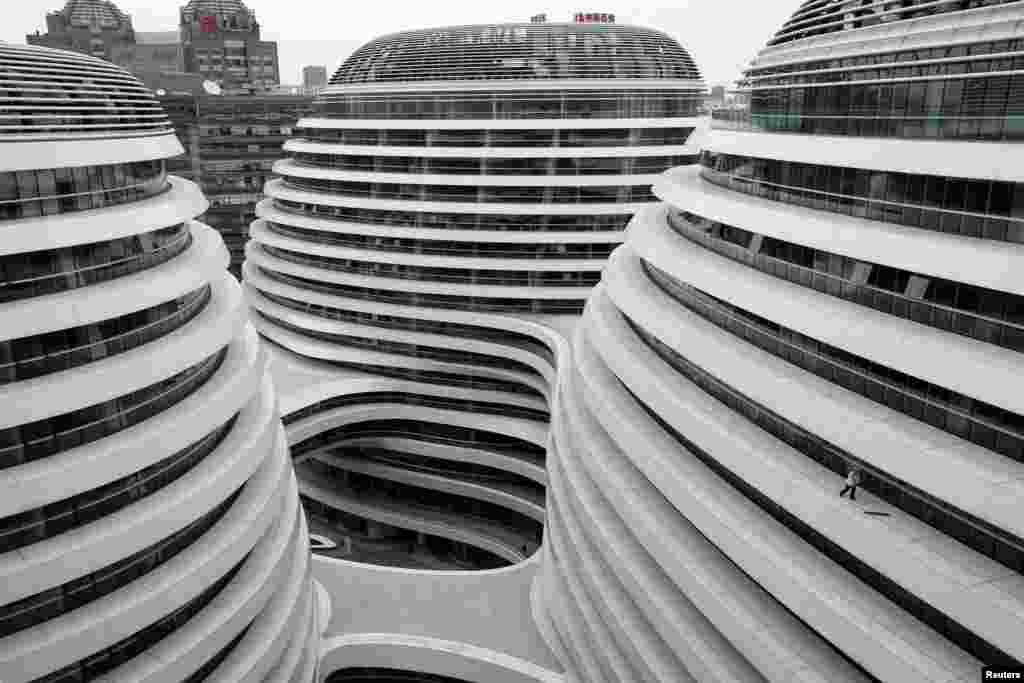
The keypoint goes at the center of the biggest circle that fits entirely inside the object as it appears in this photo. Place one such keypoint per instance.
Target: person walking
(853, 479)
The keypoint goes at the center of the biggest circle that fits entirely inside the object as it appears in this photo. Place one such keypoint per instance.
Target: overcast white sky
(722, 35)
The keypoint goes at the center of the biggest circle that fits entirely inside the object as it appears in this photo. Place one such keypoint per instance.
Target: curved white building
(436, 230)
(150, 527)
(839, 285)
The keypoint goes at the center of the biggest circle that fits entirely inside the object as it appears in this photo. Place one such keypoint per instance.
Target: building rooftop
(518, 52)
(58, 83)
(215, 7)
(816, 17)
(93, 12)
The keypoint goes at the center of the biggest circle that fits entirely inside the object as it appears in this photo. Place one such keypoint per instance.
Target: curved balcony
(414, 349)
(931, 126)
(651, 412)
(435, 328)
(492, 533)
(412, 469)
(42, 273)
(47, 192)
(970, 311)
(76, 594)
(491, 165)
(410, 399)
(564, 277)
(469, 223)
(123, 651)
(619, 137)
(406, 450)
(866, 340)
(36, 525)
(968, 481)
(49, 436)
(985, 209)
(181, 203)
(982, 263)
(474, 451)
(496, 103)
(56, 351)
(540, 251)
(472, 193)
(472, 303)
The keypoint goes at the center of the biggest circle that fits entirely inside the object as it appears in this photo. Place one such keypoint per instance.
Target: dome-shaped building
(837, 289)
(150, 527)
(436, 229)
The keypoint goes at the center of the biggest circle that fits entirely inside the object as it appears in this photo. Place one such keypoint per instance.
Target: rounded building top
(215, 7)
(818, 17)
(58, 94)
(518, 52)
(93, 13)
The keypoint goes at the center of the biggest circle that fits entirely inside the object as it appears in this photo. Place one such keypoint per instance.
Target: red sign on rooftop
(594, 18)
(208, 23)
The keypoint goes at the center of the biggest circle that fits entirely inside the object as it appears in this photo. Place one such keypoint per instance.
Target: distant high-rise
(150, 527)
(221, 40)
(717, 98)
(314, 78)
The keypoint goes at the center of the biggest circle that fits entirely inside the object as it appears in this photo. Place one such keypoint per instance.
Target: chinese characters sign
(594, 18)
(208, 24)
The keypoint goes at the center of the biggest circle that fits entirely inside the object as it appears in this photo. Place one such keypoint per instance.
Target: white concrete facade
(747, 348)
(150, 528)
(438, 284)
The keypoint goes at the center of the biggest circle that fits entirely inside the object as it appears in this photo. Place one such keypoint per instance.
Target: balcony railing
(934, 126)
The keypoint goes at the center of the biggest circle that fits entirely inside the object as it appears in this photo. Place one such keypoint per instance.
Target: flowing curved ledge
(259, 232)
(268, 212)
(526, 354)
(485, 616)
(34, 154)
(287, 167)
(957, 158)
(182, 202)
(276, 189)
(258, 256)
(970, 366)
(302, 381)
(500, 124)
(203, 262)
(434, 656)
(493, 609)
(984, 263)
(299, 144)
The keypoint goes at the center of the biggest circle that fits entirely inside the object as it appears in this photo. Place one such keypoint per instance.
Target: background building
(838, 286)
(221, 40)
(150, 527)
(230, 144)
(157, 53)
(92, 27)
(717, 98)
(314, 78)
(239, 140)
